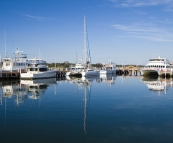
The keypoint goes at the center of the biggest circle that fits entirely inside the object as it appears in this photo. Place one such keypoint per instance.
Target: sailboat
(87, 58)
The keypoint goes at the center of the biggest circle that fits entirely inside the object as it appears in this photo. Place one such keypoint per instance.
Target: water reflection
(85, 84)
(36, 88)
(108, 78)
(24, 89)
(158, 84)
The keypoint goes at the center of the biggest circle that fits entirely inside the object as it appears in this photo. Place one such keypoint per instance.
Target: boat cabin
(35, 62)
(39, 68)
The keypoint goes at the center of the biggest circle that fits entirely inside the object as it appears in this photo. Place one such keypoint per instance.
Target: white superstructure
(19, 63)
(157, 66)
(76, 70)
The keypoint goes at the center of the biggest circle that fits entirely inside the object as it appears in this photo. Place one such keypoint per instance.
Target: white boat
(19, 63)
(40, 71)
(90, 72)
(37, 69)
(76, 70)
(157, 66)
(109, 68)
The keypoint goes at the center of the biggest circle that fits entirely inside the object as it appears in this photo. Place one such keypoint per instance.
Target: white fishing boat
(157, 66)
(76, 70)
(19, 63)
(88, 71)
(109, 68)
(37, 69)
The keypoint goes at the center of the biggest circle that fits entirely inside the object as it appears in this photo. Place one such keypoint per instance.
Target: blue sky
(131, 31)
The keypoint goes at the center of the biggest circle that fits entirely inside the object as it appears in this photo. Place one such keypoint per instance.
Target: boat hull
(90, 73)
(47, 74)
(73, 74)
(107, 71)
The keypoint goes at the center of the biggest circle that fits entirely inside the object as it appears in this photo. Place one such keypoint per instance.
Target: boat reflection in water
(24, 89)
(14, 89)
(108, 78)
(158, 84)
(36, 88)
(85, 84)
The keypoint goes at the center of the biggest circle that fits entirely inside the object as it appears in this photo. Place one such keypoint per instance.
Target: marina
(86, 71)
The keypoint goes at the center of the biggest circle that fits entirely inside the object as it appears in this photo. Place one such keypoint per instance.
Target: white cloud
(146, 31)
(38, 18)
(141, 3)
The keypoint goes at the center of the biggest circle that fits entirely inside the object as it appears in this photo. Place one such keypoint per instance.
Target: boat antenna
(39, 54)
(76, 57)
(5, 43)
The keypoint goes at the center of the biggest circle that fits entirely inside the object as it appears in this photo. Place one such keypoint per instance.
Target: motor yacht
(157, 66)
(37, 69)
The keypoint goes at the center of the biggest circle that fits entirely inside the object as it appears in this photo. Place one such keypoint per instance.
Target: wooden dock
(16, 75)
(9, 75)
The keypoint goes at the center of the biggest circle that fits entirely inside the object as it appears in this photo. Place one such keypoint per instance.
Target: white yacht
(109, 68)
(157, 66)
(37, 69)
(19, 63)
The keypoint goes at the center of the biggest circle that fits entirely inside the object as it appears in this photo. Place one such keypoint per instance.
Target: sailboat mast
(85, 44)
(5, 44)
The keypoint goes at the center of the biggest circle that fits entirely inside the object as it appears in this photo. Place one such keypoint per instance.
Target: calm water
(95, 110)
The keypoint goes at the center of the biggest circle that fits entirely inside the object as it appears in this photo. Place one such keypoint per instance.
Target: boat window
(33, 69)
(33, 87)
(42, 69)
(43, 86)
(156, 59)
(7, 64)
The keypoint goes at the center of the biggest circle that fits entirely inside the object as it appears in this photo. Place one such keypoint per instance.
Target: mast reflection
(85, 84)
